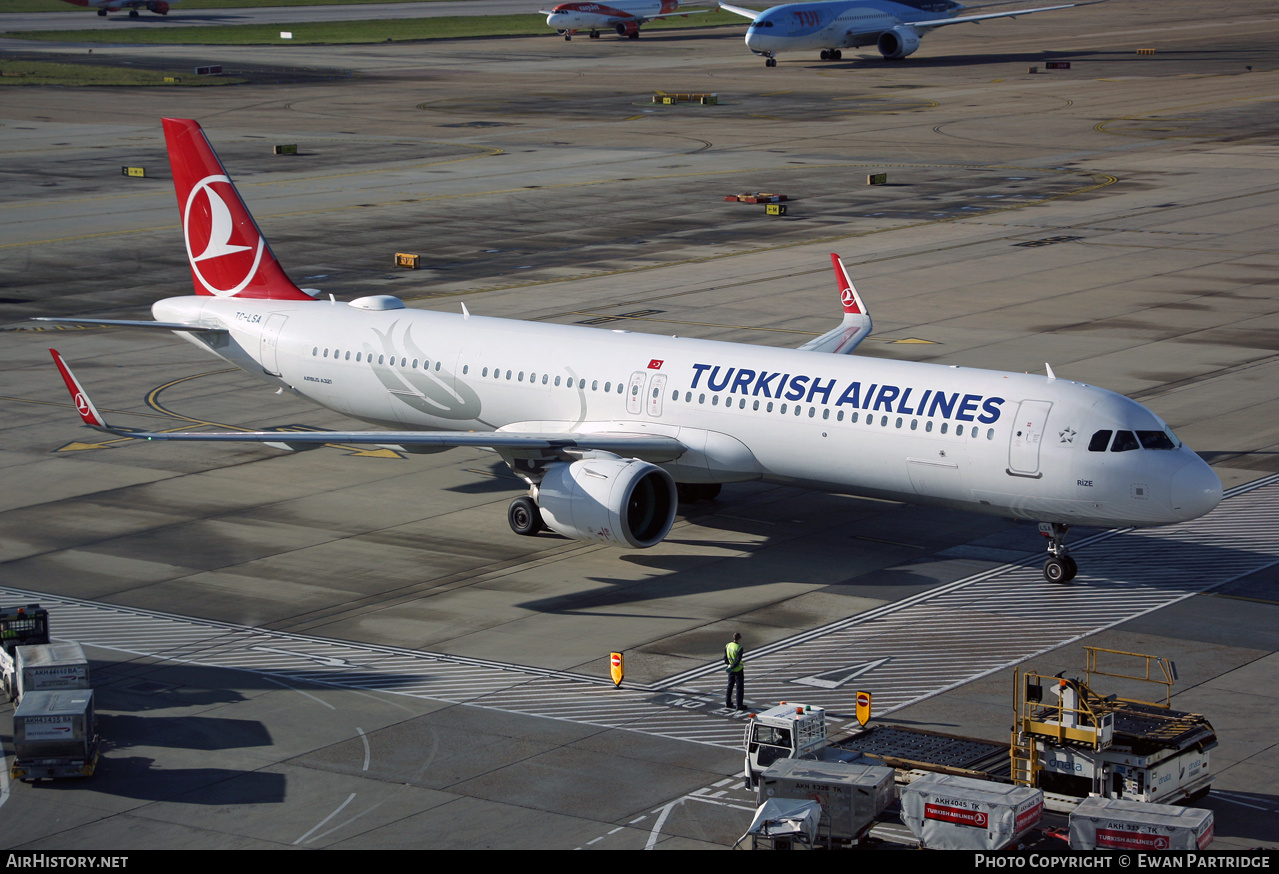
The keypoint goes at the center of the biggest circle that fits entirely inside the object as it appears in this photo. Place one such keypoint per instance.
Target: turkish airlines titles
(873, 398)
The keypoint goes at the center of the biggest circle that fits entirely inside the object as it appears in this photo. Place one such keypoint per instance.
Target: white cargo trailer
(54, 735)
(1119, 824)
(961, 813)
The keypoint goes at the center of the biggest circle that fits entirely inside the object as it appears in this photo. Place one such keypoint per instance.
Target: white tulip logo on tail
(223, 267)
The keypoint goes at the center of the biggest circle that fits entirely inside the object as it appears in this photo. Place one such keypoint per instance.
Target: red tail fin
(228, 255)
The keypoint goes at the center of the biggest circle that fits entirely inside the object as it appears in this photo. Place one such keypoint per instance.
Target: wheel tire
(567, 38)
(825, 55)
(837, 55)
(524, 517)
(1072, 568)
(1056, 571)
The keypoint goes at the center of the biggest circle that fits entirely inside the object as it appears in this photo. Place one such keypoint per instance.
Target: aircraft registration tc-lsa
(611, 429)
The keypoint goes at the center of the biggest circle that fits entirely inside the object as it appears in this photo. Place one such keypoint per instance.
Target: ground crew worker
(736, 674)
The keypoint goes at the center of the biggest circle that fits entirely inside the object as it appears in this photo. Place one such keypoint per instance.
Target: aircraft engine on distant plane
(898, 42)
(628, 28)
(625, 502)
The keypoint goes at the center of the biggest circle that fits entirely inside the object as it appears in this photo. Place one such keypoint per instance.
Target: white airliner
(159, 7)
(624, 16)
(894, 27)
(603, 425)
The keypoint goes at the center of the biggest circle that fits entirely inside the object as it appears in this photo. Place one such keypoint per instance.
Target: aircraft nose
(1196, 490)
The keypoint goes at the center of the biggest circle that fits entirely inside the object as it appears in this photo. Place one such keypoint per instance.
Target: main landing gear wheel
(1060, 570)
(133, 13)
(771, 62)
(568, 37)
(595, 34)
(524, 517)
(1060, 567)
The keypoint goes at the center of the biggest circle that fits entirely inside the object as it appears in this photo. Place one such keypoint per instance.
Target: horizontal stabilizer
(130, 323)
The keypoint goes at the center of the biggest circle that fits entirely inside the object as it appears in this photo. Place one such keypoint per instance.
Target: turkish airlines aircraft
(603, 425)
(159, 7)
(624, 16)
(894, 27)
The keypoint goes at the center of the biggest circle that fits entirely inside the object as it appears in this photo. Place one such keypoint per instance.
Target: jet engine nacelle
(898, 42)
(159, 7)
(627, 28)
(625, 502)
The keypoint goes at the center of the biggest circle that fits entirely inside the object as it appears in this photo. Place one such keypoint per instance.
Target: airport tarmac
(1115, 219)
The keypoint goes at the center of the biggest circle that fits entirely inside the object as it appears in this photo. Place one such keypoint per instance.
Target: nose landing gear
(1060, 567)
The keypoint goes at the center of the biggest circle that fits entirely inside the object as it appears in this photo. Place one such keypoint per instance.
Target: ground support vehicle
(47, 667)
(1118, 824)
(851, 796)
(945, 812)
(1084, 743)
(19, 626)
(1071, 744)
(55, 735)
(788, 731)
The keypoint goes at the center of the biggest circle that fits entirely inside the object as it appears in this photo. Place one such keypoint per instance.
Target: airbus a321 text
(159, 7)
(894, 27)
(611, 429)
(624, 16)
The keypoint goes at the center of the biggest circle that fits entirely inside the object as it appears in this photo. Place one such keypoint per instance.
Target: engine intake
(898, 42)
(625, 502)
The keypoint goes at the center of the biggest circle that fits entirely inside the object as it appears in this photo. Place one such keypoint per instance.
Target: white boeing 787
(610, 428)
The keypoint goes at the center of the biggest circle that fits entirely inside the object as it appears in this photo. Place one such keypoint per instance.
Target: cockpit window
(1155, 440)
(1099, 441)
(1124, 441)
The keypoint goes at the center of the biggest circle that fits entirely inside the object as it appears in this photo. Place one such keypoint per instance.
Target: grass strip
(20, 72)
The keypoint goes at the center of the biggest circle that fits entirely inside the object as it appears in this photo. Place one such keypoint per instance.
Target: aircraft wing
(939, 22)
(676, 14)
(655, 448)
(738, 10)
(129, 323)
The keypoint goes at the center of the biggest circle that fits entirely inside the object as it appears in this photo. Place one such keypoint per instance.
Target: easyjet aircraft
(624, 16)
(159, 7)
(610, 429)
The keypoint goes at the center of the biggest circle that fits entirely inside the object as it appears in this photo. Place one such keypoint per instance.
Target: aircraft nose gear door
(1027, 434)
(271, 342)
